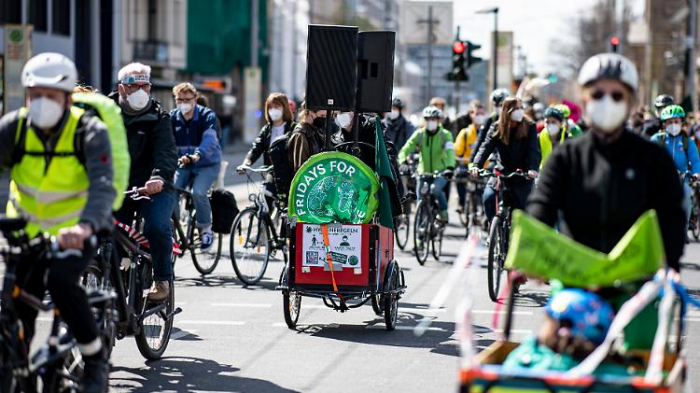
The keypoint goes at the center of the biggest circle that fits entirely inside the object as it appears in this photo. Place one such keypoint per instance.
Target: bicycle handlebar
(262, 169)
(500, 175)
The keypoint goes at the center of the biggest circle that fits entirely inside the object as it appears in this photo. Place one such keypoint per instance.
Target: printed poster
(345, 246)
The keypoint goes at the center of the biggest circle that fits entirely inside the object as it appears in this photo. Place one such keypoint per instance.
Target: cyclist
(569, 125)
(437, 154)
(683, 151)
(308, 137)
(497, 98)
(195, 129)
(556, 133)
(599, 184)
(153, 163)
(466, 139)
(653, 125)
(398, 128)
(441, 104)
(68, 195)
(514, 137)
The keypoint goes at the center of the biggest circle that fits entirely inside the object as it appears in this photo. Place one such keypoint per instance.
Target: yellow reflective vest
(50, 193)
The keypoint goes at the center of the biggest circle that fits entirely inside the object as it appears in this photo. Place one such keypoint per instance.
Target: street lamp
(494, 59)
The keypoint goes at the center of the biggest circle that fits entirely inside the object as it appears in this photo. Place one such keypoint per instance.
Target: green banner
(334, 187)
(540, 251)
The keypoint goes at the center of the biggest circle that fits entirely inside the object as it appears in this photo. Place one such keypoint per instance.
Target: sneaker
(160, 290)
(95, 373)
(207, 241)
(444, 216)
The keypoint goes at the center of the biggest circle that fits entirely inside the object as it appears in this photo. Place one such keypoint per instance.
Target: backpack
(662, 143)
(283, 173)
(110, 114)
(223, 210)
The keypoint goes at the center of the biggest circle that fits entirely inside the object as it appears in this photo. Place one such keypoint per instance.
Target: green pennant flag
(539, 250)
(386, 177)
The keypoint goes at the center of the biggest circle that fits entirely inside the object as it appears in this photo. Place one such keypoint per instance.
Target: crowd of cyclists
(590, 175)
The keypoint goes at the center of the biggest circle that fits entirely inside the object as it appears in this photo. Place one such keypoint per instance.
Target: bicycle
(57, 365)
(254, 236)
(190, 237)
(499, 233)
(428, 231)
(149, 322)
(402, 223)
(473, 216)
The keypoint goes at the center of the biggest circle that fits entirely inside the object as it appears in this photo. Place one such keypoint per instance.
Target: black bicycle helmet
(663, 101)
(498, 96)
(397, 103)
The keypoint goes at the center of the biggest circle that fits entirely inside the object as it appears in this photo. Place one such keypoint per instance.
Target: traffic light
(459, 72)
(471, 59)
(614, 44)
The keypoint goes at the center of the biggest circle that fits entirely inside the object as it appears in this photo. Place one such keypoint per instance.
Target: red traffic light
(615, 40)
(458, 47)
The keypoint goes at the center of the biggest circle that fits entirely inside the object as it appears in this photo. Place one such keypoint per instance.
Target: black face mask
(319, 122)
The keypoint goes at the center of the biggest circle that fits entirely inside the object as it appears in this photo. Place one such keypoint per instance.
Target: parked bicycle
(255, 237)
(57, 365)
(499, 232)
(428, 231)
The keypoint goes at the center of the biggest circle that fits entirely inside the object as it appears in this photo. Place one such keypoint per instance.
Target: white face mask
(517, 115)
(606, 114)
(344, 119)
(479, 119)
(184, 108)
(394, 115)
(553, 129)
(673, 129)
(45, 113)
(431, 125)
(275, 114)
(138, 99)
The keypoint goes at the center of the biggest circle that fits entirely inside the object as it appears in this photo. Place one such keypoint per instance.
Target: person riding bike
(497, 98)
(600, 183)
(555, 132)
(514, 137)
(683, 151)
(153, 163)
(464, 144)
(437, 154)
(308, 137)
(652, 126)
(398, 128)
(62, 190)
(569, 125)
(195, 130)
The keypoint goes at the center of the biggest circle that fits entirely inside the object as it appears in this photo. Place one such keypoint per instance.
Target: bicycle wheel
(436, 240)
(154, 335)
(402, 226)
(93, 280)
(494, 256)
(421, 233)
(695, 219)
(250, 246)
(377, 303)
(391, 301)
(469, 213)
(204, 261)
(292, 307)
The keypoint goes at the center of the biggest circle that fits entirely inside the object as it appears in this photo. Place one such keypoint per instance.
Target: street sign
(17, 53)
(253, 98)
(414, 23)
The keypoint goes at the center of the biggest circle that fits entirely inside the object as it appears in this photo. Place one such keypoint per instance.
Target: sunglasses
(616, 95)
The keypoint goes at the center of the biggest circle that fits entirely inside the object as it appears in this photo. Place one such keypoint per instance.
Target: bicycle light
(251, 197)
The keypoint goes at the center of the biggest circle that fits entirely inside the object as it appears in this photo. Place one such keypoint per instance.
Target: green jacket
(437, 151)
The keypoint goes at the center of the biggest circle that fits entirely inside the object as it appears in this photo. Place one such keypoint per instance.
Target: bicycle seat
(8, 224)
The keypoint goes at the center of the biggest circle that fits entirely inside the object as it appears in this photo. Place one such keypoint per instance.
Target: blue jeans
(437, 189)
(201, 179)
(158, 228)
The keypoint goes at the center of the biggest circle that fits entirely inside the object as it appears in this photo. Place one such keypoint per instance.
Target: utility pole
(495, 49)
(431, 23)
(691, 53)
(254, 27)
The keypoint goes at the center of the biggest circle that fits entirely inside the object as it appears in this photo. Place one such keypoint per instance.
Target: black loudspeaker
(331, 67)
(375, 71)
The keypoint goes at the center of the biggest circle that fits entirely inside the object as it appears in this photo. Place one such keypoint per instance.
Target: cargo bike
(339, 252)
(662, 369)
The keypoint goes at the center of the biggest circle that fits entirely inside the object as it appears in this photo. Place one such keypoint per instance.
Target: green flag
(386, 177)
(539, 250)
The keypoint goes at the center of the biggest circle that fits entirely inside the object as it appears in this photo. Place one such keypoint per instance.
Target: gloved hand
(448, 173)
(404, 169)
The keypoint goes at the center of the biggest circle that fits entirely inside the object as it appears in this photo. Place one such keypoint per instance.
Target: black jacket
(521, 154)
(398, 131)
(151, 144)
(651, 127)
(482, 134)
(261, 144)
(603, 189)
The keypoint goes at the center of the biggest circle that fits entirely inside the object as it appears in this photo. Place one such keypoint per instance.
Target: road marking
(426, 310)
(230, 323)
(243, 305)
(491, 312)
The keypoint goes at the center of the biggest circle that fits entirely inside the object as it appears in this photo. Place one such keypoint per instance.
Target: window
(152, 20)
(61, 17)
(38, 11)
(10, 11)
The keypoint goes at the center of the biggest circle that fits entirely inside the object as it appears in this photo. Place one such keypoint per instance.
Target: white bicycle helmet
(609, 66)
(52, 70)
(432, 112)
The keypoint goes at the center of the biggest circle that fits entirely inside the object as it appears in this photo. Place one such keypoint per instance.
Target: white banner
(345, 246)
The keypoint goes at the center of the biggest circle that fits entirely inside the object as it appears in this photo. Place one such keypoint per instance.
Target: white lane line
(491, 312)
(243, 305)
(425, 310)
(382, 327)
(229, 323)
(181, 334)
